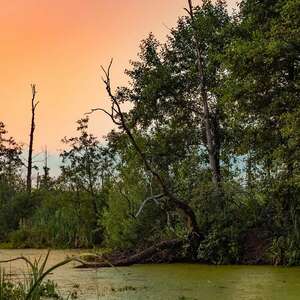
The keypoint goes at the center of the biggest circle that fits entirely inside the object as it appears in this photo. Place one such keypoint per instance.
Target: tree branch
(152, 198)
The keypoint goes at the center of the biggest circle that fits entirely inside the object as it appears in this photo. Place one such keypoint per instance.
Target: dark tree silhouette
(34, 104)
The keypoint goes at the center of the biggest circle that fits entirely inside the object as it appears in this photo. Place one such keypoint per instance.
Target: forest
(204, 157)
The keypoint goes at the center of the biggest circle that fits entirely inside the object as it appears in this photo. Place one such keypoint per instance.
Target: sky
(59, 45)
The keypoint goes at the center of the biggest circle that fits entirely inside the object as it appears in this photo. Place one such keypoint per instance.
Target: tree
(86, 164)
(10, 157)
(261, 102)
(120, 119)
(262, 86)
(34, 104)
(177, 83)
(12, 208)
(45, 181)
(173, 90)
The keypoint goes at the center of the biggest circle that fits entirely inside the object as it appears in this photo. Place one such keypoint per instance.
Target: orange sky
(60, 45)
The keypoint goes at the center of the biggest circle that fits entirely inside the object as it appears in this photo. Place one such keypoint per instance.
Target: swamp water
(175, 282)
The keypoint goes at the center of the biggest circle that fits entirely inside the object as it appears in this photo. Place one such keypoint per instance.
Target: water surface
(174, 282)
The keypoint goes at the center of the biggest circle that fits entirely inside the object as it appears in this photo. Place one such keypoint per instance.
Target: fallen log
(141, 257)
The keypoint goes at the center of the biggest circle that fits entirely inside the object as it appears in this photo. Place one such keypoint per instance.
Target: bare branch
(152, 198)
(190, 9)
(34, 93)
(106, 112)
(36, 104)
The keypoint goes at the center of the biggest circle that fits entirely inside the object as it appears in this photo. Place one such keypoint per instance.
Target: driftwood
(137, 258)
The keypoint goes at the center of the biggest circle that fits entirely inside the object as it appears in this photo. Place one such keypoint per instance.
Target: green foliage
(7, 289)
(221, 245)
(285, 251)
(85, 163)
(10, 157)
(123, 229)
(14, 208)
(61, 221)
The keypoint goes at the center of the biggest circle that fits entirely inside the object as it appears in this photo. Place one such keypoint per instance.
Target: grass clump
(34, 286)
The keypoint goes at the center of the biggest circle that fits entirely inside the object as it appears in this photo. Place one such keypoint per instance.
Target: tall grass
(34, 286)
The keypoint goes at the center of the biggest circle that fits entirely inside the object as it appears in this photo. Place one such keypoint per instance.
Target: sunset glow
(60, 45)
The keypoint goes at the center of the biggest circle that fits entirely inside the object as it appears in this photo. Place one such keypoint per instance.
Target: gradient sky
(60, 45)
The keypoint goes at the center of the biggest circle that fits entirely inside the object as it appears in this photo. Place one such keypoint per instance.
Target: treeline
(208, 153)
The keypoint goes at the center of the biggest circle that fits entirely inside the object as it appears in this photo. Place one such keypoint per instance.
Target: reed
(34, 286)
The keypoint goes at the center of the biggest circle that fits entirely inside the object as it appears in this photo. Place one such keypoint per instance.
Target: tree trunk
(139, 257)
(31, 138)
(211, 131)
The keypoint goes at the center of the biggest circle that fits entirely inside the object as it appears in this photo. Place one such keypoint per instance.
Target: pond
(174, 282)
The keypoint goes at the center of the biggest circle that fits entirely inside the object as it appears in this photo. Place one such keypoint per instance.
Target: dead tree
(172, 200)
(211, 131)
(144, 256)
(34, 104)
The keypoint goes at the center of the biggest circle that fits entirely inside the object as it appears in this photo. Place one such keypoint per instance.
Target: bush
(221, 246)
(123, 230)
(285, 250)
(60, 221)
